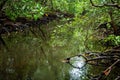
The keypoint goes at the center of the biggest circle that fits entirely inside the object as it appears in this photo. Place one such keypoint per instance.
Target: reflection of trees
(16, 67)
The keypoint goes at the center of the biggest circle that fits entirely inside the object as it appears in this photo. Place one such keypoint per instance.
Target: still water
(31, 57)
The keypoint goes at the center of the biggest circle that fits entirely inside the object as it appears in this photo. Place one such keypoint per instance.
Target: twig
(108, 70)
(117, 78)
(105, 72)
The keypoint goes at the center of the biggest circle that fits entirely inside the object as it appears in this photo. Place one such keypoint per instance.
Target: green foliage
(75, 36)
(34, 9)
(89, 16)
(24, 8)
(112, 40)
(71, 6)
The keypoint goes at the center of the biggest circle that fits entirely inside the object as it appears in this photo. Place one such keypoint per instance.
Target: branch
(95, 5)
(2, 4)
(113, 4)
(106, 72)
(112, 1)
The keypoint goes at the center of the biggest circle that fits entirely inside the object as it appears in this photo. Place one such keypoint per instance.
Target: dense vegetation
(97, 14)
(75, 23)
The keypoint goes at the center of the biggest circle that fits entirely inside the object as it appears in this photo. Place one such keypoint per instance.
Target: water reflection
(77, 73)
(27, 61)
